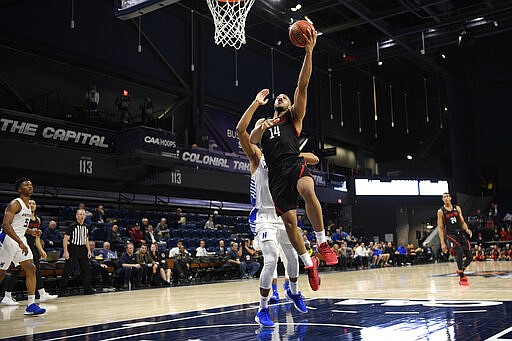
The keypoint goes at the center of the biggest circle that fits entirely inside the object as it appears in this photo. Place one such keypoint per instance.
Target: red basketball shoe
(330, 257)
(314, 279)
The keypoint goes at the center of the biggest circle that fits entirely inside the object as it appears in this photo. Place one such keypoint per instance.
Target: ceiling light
(409, 157)
(443, 56)
(298, 6)
(445, 108)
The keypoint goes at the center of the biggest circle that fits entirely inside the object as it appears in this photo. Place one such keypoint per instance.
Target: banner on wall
(33, 128)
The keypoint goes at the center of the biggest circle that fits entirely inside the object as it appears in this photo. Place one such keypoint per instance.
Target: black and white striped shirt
(77, 234)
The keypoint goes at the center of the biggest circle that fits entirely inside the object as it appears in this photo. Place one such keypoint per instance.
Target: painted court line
(401, 312)
(469, 311)
(345, 311)
(496, 337)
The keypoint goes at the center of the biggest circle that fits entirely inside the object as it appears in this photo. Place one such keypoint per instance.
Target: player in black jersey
(451, 225)
(288, 174)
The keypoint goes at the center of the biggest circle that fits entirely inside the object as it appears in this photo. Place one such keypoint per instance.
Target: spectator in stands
(175, 251)
(182, 265)
(163, 267)
(337, 237)
(123, 105)
(130, 268)
(92, 99)
(99, 215)
(248, 266)
(377, 256)
(137, 236)
(146, 111)
(360, 256)
(428, 253)
(496, 235)
(300, 221)
(343, 260)
(401, 254)
(503, 234)
(179, 218)
(494, 213)
(144, 223)
(480, 220)
(330, 226)
(218, 220)
(479, 254)
(146, 262)
(233, 257)
(106, 252)
(98, 268)
(209, 224)
(221, 251)
(201, 249)
(390, 250)
(150, 235)
(509, 232)
(479, 239)
(115, 239)
(51, 236)
(162, 229)
(494, 252)
(506, 253)
(88, 214)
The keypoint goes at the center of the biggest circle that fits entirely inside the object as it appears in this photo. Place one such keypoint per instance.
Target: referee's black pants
(77, 254)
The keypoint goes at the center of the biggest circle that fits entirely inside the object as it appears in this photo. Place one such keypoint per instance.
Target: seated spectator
(88, 214)
(330, 226)
(51, 236)
(509, 232)
(106, 252)
(494, 253)
(115, 239)
(337, 237)
(479, 239)
(175, 251)
(162, 269)
(248, 267)
(505, 253)
(162, 229)
(377, 255)
(99, 215)
(503, 234)
(132, 271)
(146, 262)
(201, 249)
(300, 221)
(209, 224)
(98, 268)
(428, 253)
(144, 222)
(182, 265)
(137, 236)
(479, 254)
(401, 254)
(390, 250)
(218, 220)
(496, 235)
(221, 251)
(92, 98)
(343, 258)
(360, 256)
(233, 257)
(150, 236)
(179, 218)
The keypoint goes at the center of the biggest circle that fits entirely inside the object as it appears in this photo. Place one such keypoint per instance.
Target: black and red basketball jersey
(451, 220)
(280, 143)
(33, 224)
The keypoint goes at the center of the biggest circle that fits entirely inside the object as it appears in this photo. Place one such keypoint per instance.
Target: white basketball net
(229, 19)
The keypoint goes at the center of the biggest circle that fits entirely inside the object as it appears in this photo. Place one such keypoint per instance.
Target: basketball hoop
(229, 18)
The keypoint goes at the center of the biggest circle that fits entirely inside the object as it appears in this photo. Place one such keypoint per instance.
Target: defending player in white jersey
(13, 244)
(268, 227)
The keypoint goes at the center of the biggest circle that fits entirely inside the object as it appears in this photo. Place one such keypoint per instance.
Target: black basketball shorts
(458, 239)
(282, 182)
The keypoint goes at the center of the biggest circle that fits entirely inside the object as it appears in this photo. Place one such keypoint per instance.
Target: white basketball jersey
(261, 199)
(21, 219)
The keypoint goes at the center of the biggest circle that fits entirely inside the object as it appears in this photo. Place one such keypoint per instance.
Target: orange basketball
(297, 30)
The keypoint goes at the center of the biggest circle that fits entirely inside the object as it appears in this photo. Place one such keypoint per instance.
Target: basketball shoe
(298, 301)
(263, 318)
(314, 279)
(329, 256)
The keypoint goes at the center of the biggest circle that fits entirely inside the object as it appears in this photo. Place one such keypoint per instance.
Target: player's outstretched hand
(470, 233)
(310, 39)
(260, 97)
(269, 123)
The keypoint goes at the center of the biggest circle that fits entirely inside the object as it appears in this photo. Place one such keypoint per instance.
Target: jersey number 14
(274, 131)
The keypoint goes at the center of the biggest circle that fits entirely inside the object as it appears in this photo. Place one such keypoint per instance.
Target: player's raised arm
(13, 208)
(252, 152)
(298, 109)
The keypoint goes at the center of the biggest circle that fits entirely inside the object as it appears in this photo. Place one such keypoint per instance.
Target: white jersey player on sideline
(13, 244)
(268, 227)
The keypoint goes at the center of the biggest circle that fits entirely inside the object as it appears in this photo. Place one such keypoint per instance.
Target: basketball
(297, 30)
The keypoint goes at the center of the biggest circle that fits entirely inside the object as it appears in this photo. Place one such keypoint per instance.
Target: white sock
(294, 287)
(41, 292)
(8, 294)
(263, 302)
(320, 237)
(306, 259)
(31, 299)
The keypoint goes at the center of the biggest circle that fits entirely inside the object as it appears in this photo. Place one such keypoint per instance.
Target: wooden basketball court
(413, 286)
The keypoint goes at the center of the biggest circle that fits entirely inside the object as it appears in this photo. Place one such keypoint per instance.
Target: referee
(76, 250)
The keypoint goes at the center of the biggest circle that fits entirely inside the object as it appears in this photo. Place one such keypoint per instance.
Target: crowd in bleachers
(136, 248)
